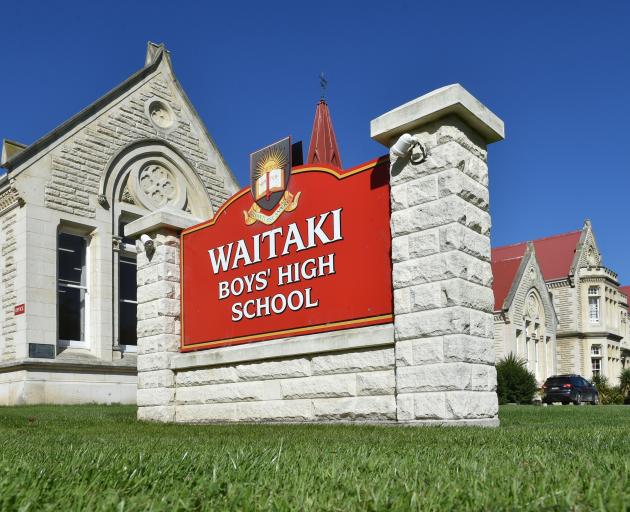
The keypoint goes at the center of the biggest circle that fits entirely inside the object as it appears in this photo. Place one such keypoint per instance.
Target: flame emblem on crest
(270, 171)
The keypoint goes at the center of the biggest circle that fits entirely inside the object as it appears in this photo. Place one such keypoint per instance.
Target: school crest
(270, 172)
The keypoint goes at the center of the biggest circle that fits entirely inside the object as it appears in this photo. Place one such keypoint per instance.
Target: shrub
(615, 396)
(608, 395)
(515, 383)
(601, 382)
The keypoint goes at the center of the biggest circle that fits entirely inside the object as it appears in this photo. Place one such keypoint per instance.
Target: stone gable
(79, 163)
(532, 279)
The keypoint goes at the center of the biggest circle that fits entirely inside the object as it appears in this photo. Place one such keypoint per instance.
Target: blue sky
(557, 73)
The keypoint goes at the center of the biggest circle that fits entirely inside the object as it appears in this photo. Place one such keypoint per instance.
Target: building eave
(507, 302)
(594, 334)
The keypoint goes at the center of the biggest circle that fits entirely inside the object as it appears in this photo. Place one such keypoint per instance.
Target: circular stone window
(156, 186)
(160, 114)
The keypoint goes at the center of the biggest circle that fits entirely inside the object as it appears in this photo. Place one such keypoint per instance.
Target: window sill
(72, 344)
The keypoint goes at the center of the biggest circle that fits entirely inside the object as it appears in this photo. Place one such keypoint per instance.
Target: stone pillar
(158, 280)
(442, 278)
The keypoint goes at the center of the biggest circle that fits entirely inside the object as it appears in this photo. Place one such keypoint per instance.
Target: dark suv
(569, 388)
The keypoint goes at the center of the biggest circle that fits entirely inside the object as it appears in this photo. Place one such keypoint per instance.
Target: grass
(99, 458)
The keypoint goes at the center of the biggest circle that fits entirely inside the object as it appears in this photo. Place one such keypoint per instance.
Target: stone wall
(8, 290)
(503, 342)
(158, 326)
(354, 386)
(569, 355)
(564, 298)
(327, 381)
(442, 278)
(50, 384)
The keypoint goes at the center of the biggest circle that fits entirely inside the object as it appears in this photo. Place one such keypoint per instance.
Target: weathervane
(323, 83)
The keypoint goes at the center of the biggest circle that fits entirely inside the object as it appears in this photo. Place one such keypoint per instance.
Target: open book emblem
(270, 171)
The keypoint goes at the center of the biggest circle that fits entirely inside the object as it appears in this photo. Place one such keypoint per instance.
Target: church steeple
(323, 147)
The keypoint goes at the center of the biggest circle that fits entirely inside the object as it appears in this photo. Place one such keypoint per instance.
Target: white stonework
(340, 376)
(525, 324)
(254, 383)
(584, 342)
(433, 366)
(138, 148)
(581, 324)
(442, 284)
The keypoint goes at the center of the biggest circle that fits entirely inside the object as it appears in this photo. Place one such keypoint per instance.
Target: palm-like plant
(624, 381)
(515, 384)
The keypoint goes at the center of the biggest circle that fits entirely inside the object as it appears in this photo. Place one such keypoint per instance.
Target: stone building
(592, 333)
(524, 317)
(68, 284)
(625, 322)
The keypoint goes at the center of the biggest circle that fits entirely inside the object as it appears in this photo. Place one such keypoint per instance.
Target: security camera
(403, 145)
(404, 148)
(148, 243)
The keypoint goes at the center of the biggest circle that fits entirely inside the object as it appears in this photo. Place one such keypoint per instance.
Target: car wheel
(566, 403)
(595, 399)
(578, 399)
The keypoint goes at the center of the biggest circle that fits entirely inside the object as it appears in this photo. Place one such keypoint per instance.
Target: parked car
(569, 388)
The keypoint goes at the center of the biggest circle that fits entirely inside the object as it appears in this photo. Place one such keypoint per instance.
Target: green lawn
(99, 458)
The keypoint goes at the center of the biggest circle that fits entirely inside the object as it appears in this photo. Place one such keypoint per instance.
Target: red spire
(323, 148)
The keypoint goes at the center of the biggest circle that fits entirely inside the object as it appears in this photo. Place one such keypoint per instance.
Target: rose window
(158, 184)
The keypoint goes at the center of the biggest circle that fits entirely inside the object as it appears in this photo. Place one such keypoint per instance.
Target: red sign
(20, 309)
(319, 261)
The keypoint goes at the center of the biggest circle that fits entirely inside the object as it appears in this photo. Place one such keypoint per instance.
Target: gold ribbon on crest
(288, 203)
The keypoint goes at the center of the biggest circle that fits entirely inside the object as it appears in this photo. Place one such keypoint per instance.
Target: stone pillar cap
(164, 218)
(451, 99)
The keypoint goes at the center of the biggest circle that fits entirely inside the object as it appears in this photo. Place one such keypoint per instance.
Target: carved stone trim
(102, 200)
(532, 307)
(153, 184)
(592, 258)
(161, 115)
(127, 196)
(116, 243)
(9, 199)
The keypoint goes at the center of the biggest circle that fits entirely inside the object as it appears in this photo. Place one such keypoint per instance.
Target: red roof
(554, 254)
(626, 291)
(323, 147)
(503, 273)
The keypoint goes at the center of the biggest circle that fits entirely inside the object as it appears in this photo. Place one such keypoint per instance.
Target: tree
(515, 383)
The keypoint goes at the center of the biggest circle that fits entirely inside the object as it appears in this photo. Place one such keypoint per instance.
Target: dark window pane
(70, 299)
(71, 313)
(71, 258)
(127, 291)
(558, 381)
(128, 286)
(127, 319)
(121, 233)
